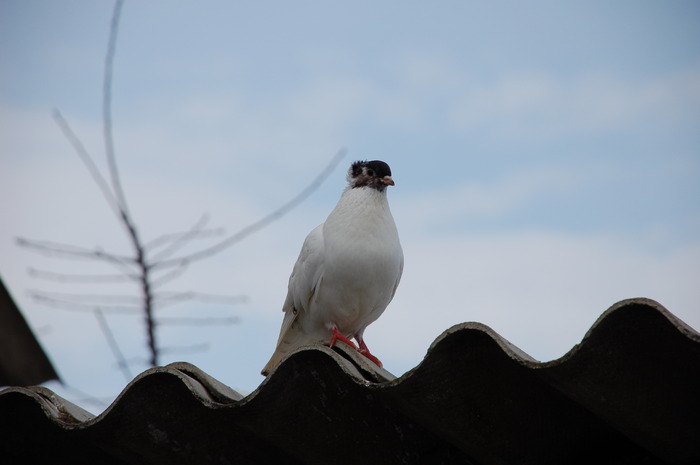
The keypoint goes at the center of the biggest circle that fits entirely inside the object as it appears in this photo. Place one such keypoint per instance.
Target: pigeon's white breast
(362, 262)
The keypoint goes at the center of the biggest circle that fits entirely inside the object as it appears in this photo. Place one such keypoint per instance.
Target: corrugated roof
(628, 393)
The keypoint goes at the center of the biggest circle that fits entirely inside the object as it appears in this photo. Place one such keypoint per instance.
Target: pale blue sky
(546, 155)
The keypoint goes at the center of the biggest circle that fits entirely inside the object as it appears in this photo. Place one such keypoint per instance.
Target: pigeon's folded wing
(305, 277)
(303, 282)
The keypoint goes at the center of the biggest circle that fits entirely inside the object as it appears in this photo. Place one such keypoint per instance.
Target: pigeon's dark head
(375, 174)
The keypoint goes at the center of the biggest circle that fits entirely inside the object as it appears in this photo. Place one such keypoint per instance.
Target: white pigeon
(348, 269)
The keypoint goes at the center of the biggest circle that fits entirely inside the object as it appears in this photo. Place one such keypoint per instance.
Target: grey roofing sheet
(628, 393)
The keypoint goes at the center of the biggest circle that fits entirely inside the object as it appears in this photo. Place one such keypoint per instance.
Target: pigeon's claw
(365, 351)
(337, 336)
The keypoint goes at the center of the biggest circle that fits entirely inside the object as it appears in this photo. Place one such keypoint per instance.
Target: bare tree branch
(88, 298)
(87, 161)
(140, 259)
(178, 241)
(199, 321)
(171, 275)
(84, 307)
(258, 225)
(73, 251)
(107, 108)
(79, 278)
(197, 230)
(178, 297)
(154, 263)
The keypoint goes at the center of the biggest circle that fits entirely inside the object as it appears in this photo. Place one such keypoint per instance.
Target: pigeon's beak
(388, 181)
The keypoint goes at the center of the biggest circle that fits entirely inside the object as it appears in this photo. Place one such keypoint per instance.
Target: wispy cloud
(536, 106)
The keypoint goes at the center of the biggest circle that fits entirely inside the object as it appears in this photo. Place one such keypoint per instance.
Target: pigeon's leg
(365, 351)
(339, 337)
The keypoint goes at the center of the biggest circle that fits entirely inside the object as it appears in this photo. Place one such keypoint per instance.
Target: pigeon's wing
(305, 277)
(307, 273)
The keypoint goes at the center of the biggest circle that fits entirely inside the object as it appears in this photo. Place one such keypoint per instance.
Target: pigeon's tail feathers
(291, 338)
(290, 316)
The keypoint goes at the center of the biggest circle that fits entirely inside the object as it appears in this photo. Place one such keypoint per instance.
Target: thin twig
(79, 278)
(107, 107)
(113, 345)
(73, 251)
(233, 320)
(180, 240)
(124, 264)
(144, 267)
(258, 225)
(169, 276)
(196, 231)
(87, 161)
(177, 297)
(86, 298)
(85, 308)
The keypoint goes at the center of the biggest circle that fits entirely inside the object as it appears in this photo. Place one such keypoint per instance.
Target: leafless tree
(152, 263)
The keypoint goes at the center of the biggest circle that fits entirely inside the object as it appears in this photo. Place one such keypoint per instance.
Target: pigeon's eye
(370, 172)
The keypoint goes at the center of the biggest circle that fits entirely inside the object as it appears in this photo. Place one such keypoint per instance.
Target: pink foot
(365, 351)
(339, 337)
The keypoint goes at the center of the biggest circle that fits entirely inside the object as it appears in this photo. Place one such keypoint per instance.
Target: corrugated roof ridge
(54, 407)
(680, 325)
(206, 389)
(212, 393)
(618, 309)
(209, 391)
